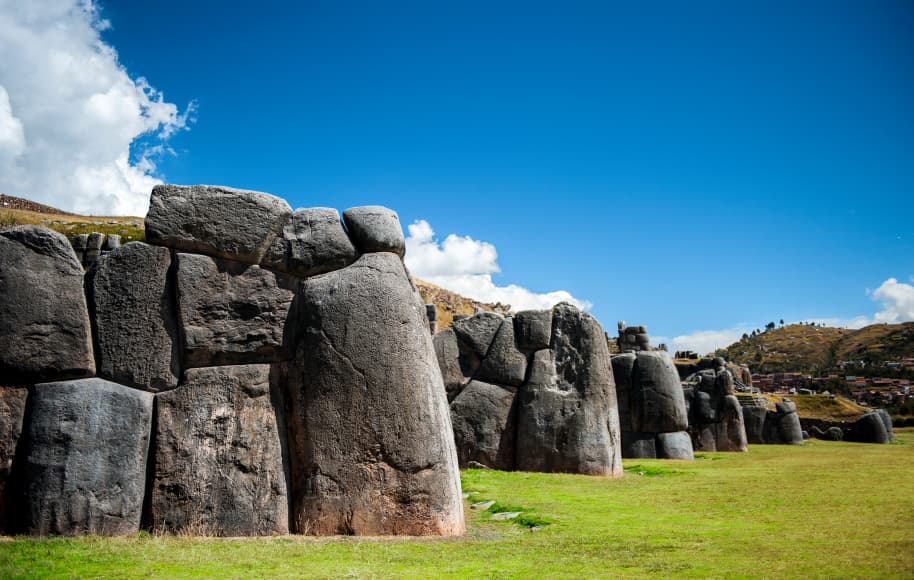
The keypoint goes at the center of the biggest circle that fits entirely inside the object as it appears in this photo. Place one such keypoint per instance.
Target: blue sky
(689, 166)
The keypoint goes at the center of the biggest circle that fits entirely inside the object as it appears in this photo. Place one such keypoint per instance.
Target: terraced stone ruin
(249, 371)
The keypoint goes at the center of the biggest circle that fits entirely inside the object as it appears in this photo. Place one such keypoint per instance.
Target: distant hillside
(450, 303)
(799, 347)
(16, 210)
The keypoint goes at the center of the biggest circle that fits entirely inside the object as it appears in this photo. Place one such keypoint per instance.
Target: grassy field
(823, 510)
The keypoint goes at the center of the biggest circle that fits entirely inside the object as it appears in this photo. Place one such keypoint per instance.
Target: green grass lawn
(822, 510)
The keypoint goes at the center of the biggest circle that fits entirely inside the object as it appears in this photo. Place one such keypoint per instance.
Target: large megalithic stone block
(133, 306)
(677, 445)
(229, 223)
(478, 331)
(218, 454)
(456, 360)
(870, 428)
(484, 418)
(371, 445)
(656, 401)
(533, 329)
(375, 228)
(83, 468)
(12, 412)
(567, 415)
(731, 430)
(623, 373)
(503, 364)
(754, 421)
(45, 333)
(233, 313)
(312, 242)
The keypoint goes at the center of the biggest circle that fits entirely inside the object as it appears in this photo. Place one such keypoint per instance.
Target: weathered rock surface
(484, 421)
(623, 373)
(44, 322)
(457, 362)
(731, 429)
(868, 429)
(503, 364)
(218, 221)
(478, 331)
(676, 445)
(84, 463)
(374, 228)
(312, 242)
(754, 420)
(12, 412)
(639, 445)
(218, 458)
(233, 313)
(370, 434)
(567, 415)
(656, 401)
(533, 329)
(136, 337)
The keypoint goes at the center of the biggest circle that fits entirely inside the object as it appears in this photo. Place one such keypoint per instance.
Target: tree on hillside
(769, 326)
(782, 322)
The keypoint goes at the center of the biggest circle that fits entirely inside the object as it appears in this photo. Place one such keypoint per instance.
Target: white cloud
(465, 266)
(69, 112)
(895, 298)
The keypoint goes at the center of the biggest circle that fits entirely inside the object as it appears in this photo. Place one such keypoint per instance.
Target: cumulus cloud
(465, 266)
(895, 298)
(70, 112)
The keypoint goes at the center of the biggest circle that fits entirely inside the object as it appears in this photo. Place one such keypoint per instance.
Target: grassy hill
(799, 347)
(19, 211)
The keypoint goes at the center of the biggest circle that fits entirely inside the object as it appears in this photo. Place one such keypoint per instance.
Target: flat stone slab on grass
(482, 505)
(504, 516)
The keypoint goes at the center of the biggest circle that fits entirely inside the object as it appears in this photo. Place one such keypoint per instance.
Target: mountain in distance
(810, 348)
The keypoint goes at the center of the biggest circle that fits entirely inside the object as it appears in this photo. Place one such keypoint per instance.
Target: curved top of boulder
(375, 228)
(219, 221)
(478, 331)
(45, 242)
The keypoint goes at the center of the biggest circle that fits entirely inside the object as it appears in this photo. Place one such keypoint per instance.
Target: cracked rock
(371, 445)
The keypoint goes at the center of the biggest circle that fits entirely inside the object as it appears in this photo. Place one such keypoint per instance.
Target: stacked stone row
(652, 408)
(780, 426)
(89, 247)
(715, 414)
(633, 338)
(249, 371)
(532, 392)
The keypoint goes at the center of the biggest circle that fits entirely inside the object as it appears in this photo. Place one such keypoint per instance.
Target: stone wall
(532, 392)
(652, 408)
(249, 371)
(716, 421)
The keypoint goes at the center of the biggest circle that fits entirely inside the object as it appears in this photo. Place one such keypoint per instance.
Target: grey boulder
(868, 429)
(533, 329)
(656, 400)
(677, 445)
(374, 228)
(312, 242)
(135, 332)
(478, 331)
(731, 430)
(44, 322)
(483, 416)
(218, 221)
(503, 364)
(457, 362)
(233, 313)
(567, 415)
(639, 445)
(371, 444)
(218, 458)
(623, 373)
(84, 461)
(12, 412)
(754, 421)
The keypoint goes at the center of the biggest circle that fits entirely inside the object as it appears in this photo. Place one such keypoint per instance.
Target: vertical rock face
(478, 331)
(218, 459)
(375, 228)
(457, 362)
(232, 313)
(533, 329)
(44, 322)
(504, 364)
(677, 445)
(657, 403)
(754, 420)
(370, 434)
(567, 414)
(217, 221)
(84, 467)
(716, 420)
(135, 331)
(312, 242)
(484, 425)
(12, 412)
